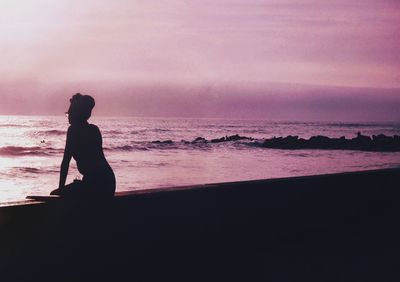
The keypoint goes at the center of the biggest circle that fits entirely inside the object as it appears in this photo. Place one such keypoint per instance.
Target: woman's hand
(57, 191)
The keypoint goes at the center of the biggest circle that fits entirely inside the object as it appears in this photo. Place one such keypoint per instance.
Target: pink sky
(50, 49)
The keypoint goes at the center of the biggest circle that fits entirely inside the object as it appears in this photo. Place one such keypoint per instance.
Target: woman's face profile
(72, 114)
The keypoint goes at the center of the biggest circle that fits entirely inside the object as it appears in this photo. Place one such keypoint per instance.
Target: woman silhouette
(84, 144)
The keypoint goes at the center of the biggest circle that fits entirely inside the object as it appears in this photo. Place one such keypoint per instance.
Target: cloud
(51, 46)
(201, 40)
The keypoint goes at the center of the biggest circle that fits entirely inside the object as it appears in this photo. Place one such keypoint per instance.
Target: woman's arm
(64, 170)
(66, 160)
(64, 165)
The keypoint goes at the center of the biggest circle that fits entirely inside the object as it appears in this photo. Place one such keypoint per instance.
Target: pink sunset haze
(138, 55)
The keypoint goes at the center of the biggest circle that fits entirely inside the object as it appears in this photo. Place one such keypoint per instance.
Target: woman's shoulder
(93, 126)
(94, 129)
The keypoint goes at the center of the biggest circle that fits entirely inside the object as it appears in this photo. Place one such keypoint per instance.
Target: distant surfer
(84, 144)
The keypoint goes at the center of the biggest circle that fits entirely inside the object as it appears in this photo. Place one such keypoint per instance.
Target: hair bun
(87, 101)
(83, 101)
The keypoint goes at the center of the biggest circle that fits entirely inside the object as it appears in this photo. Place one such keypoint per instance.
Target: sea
(154, 153)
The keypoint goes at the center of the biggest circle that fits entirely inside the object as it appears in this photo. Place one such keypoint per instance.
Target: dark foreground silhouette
(341, 227)
(84, 144)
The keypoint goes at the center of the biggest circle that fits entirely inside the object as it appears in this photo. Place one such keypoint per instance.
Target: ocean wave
(127, 148)
(359, 125)
(53, 132)
(30, 170)
(198, 143)
(149, 130)
(50, 132)
(16, 151)
(113, 132)
(160, 130)
(13, 125)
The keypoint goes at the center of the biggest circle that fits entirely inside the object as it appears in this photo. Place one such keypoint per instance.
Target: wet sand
(339, 227)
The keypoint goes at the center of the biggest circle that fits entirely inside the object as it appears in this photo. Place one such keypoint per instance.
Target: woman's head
(80, 109)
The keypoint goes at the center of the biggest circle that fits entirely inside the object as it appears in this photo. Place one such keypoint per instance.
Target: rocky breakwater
(378, 143)
(235, 137)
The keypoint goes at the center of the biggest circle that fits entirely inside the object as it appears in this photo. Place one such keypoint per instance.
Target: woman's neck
(80, 123)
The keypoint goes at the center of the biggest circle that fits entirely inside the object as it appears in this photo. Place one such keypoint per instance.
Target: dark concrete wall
(321, 228)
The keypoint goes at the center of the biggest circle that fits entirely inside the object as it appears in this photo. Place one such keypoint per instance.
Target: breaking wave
(54, 132)
(198, 143)
(18, 151)
(13, 125)
(127, 148)
(113, 132)
(31, 170)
